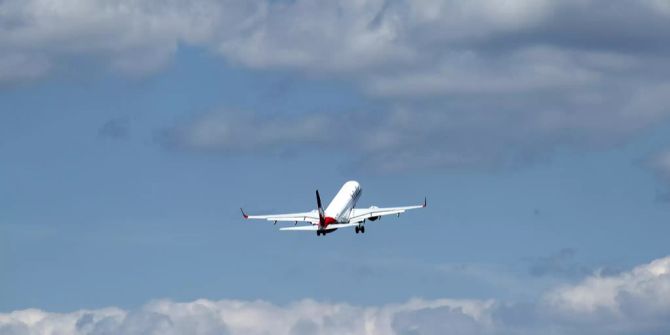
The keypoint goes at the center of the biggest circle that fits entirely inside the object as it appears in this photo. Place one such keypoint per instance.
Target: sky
(131, 132)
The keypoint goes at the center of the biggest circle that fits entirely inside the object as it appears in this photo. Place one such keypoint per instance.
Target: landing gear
(360, 229)
(318, 233)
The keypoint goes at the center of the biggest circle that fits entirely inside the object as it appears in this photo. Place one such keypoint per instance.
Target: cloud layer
(461, 132)
(462, 84)
(632, 302)
(394, 47)
(459, 83)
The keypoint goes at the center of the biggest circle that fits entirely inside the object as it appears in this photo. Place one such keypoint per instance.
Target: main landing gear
(360, 229)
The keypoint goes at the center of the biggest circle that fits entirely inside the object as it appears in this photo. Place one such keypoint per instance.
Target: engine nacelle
(373, 218)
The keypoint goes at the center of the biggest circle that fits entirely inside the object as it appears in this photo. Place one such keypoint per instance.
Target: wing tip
(425, 202)
(244, 215)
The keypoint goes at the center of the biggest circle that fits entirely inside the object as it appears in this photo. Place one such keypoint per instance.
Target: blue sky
(540, 139)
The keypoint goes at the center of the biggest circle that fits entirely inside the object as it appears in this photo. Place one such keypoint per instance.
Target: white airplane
(340, 213)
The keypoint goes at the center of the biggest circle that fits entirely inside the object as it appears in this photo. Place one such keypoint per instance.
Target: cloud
(231, 131)
(400, 48)
(632, 302)
(475, 83)
(18, 67)
(227, 317)
(483, 133)
(134, 37)
(460, 84)
(382, 43)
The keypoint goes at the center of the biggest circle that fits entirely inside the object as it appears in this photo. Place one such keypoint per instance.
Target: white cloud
(230, 317)
(649, 283)
(637, 301)
(633, 302)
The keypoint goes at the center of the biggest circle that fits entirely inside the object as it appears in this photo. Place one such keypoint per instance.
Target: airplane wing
(312, 217)
(360, 214)
(316, 227)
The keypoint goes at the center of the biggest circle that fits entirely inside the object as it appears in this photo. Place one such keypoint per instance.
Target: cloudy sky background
(132, 131)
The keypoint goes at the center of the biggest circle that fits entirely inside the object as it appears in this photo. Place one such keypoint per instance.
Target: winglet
(244, 215)
(425, 202)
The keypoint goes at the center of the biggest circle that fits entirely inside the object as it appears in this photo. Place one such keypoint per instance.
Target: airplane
(340, 213)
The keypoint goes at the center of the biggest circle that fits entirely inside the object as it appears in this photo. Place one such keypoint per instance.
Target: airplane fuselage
(339, 209)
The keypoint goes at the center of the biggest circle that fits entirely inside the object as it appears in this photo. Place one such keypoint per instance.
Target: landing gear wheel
(362, 229)
(357, 228)
(318, 233)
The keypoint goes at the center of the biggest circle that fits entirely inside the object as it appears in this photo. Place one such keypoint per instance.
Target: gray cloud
(463, 84)
(632, 302)
(133, 37)
(19, 67)
(459, 83)
(368, 40)
(461, 132)
(409, 48)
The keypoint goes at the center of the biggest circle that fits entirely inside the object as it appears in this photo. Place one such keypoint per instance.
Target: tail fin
(322, 216)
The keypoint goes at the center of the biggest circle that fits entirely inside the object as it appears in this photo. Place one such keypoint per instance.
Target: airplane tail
(322, 216)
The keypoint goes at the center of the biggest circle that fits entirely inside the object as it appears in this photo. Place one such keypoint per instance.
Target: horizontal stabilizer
(316, 227)
(302, 228)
